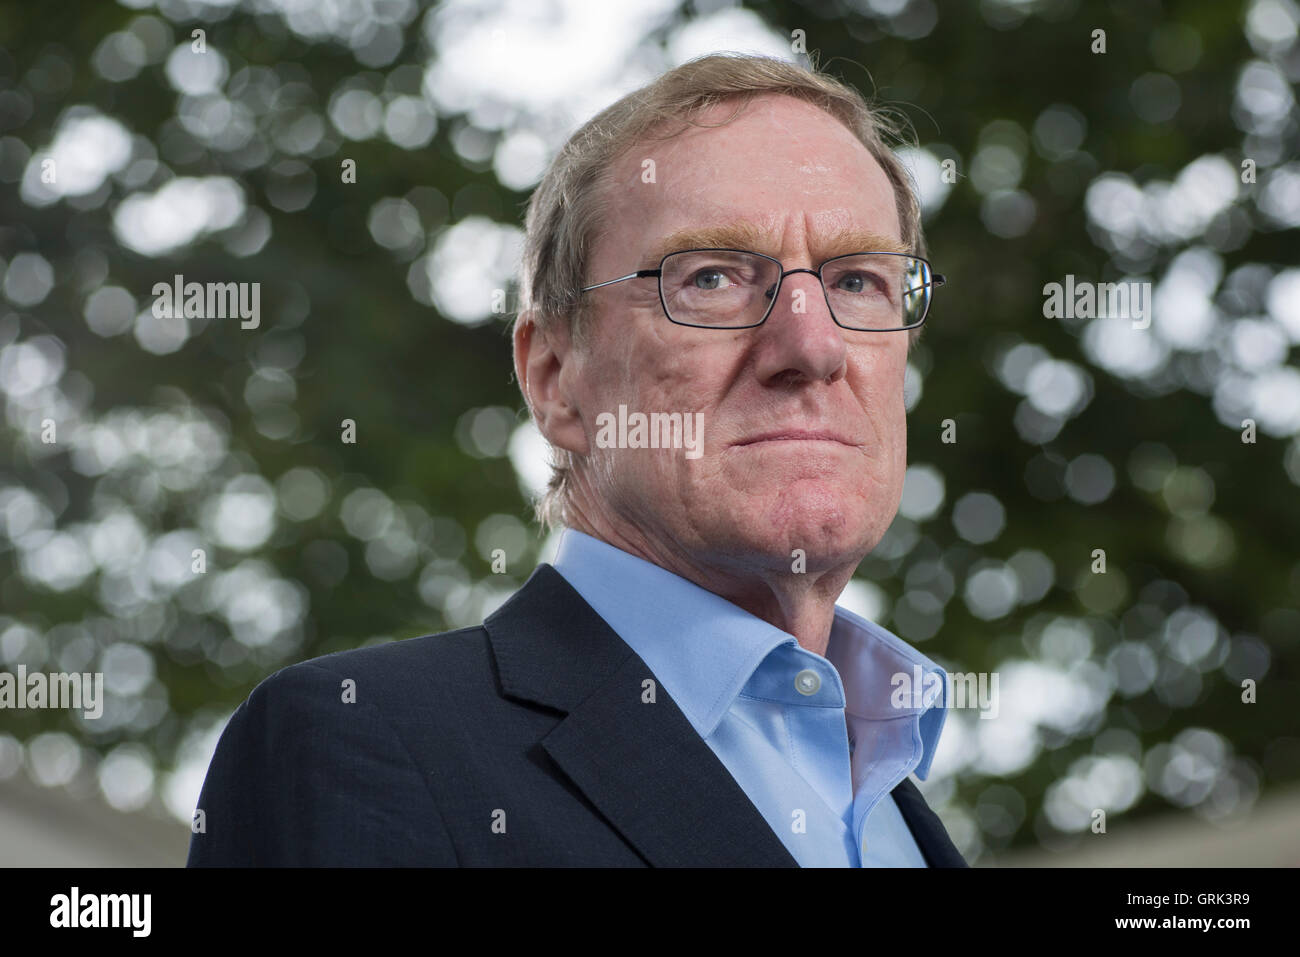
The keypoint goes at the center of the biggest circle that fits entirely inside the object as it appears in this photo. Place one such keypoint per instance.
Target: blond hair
(567, 210)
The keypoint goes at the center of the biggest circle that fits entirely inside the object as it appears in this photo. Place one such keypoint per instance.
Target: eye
(858, 282)
(710, 279)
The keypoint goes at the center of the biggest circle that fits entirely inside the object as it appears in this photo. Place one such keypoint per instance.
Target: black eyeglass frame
(936, 280)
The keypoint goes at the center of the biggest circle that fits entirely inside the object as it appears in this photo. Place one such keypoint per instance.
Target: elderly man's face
(806, 190)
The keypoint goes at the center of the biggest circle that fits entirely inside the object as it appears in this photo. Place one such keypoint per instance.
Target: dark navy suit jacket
(520, 742)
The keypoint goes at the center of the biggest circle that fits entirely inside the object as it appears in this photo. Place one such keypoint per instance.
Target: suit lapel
(936, 847)
(642, 765)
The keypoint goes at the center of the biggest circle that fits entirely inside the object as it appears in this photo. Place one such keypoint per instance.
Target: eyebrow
(743, 234)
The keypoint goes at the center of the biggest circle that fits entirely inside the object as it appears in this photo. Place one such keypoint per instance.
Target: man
(733, 246)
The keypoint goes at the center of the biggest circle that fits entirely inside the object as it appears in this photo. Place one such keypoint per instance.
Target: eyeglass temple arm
(936, 280)
(639, 274)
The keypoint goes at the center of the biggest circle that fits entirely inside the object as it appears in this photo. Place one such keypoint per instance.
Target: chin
(825, 524)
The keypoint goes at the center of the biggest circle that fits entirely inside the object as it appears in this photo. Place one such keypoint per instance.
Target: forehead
(781, 172)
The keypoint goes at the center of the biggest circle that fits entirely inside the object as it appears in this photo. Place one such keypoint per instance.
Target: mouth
(796, 435)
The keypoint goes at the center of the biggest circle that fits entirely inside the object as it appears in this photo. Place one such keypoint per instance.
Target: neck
(801, 604)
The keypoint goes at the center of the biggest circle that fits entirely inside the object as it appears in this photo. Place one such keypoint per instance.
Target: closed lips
(797, 436)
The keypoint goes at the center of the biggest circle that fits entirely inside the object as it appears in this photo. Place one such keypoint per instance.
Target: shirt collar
(880, 671)
(704, 649)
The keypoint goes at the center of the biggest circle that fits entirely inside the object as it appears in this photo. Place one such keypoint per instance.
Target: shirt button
(806, 682)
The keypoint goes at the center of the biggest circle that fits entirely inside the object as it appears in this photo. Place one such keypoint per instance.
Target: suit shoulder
(443, 649)
(458, 656)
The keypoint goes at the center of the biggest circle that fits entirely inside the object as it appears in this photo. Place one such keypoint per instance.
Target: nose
(800, 340)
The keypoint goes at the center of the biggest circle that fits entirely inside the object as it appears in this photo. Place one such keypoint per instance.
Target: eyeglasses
(736, 289)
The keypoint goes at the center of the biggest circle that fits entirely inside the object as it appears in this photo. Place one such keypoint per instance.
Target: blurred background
(180, 509)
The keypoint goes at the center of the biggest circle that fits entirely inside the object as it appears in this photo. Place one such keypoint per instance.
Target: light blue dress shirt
(815, 742)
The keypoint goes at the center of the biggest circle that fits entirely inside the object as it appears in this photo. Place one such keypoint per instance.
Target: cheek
(880, 386)
(657, 370)
(648, 373)
(897, 425)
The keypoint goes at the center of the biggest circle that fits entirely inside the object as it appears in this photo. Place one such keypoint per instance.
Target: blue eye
(712, 279)
(858, 282)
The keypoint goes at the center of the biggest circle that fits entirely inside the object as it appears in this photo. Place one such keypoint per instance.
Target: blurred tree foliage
(1120, 690)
